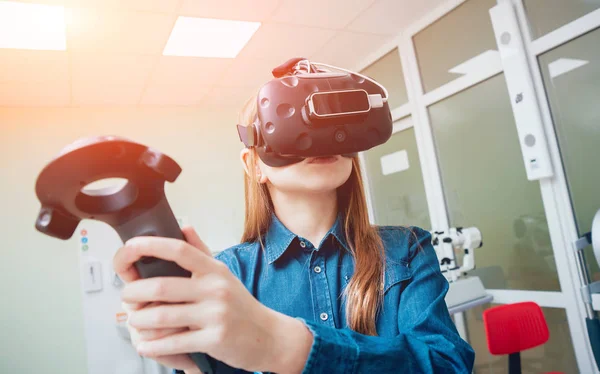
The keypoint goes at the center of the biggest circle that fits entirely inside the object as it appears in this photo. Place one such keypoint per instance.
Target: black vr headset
(308, 110)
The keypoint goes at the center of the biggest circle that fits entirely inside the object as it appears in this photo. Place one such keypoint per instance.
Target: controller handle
(140, 208)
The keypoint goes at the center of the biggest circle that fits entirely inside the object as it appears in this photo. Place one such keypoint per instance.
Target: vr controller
(310, 110)
(140, 208)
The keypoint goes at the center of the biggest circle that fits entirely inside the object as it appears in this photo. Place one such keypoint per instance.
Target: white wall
(41, 322)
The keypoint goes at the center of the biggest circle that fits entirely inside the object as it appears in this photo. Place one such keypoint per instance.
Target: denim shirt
(304, 281)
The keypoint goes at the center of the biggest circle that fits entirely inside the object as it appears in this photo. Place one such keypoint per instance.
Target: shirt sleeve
(428, 341)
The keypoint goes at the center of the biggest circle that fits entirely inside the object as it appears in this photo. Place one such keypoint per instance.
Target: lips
(322, 160)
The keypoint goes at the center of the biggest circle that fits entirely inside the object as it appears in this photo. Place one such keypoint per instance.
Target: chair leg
(514, 363)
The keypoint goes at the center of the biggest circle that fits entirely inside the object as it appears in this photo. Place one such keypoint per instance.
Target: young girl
(313, 288)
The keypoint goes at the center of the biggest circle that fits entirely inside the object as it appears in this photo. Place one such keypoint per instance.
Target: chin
(324, 179)
(305, 177)
(319, 188)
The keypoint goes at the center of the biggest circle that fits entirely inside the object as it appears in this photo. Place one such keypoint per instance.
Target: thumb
(192, 238)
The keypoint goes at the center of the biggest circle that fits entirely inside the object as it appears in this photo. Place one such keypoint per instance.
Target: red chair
(513, 328)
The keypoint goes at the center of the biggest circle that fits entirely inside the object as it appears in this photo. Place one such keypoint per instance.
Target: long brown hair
(364, 293)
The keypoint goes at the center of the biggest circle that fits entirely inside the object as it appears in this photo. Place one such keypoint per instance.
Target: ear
(261, 175)
(245, 159)
(246, 163)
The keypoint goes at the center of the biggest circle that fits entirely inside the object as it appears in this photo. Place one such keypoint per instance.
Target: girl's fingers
(131, 306)
(174, 289)
(170, 316)
(160, 289)
(204, 340)
(178, 251)
(153, 334)
(192, 237)
(128, 273)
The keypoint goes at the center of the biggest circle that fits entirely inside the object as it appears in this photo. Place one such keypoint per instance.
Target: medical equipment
(446, 243)
(589, 288)
(139, 208)
(310, 110)
(463, 292)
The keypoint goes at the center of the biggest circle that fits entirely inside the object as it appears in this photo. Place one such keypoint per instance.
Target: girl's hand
(180, 361)
(217, 313)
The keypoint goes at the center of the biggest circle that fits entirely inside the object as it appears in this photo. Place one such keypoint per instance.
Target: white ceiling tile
(100, 80)
(189, 70)
(277, 43)
(165, 6)
(387, 17)
(179, 94)
(106, 94)
(332, 14)
(347, 49)
(33, 66)
(120, 31)
(251, 73)
(228, 97)
(35, 94)
(111, 69)
(256, 10)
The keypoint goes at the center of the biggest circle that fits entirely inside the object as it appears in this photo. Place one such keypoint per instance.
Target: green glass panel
(486, 186)
(463, 35)
(388, 71)
(398, 196)
(545, 16)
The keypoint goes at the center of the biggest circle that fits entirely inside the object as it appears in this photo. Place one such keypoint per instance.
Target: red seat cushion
(515, 327)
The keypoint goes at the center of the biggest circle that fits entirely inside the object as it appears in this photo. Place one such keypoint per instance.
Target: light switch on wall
(92, 276)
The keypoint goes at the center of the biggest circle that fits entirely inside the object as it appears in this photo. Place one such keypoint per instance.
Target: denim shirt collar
(279, 237)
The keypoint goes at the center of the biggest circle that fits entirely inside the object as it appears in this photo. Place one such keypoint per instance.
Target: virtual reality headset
(315, 110)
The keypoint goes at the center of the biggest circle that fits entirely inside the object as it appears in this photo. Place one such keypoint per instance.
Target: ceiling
(114, 50)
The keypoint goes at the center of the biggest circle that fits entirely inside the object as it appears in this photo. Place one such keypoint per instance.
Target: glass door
(456, 158)
(465, 104)
(571, 76)
(466, 114)
(562, 40)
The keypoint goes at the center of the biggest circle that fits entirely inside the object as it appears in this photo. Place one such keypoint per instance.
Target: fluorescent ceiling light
(202, 37)
(32, 26)
(486, 61)
(564, 65)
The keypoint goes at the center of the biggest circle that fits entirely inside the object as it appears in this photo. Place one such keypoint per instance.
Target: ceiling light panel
(205, 37)
(32, 26)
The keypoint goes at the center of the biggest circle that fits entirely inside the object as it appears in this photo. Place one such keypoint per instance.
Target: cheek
(344, 169)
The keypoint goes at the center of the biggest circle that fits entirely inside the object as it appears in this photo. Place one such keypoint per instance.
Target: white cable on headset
(360, 75)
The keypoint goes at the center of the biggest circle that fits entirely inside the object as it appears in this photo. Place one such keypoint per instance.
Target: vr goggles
(308, 110)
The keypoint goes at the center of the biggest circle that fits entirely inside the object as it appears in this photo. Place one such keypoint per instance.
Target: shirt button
(303, 244)
(324, 316)
(317, 269)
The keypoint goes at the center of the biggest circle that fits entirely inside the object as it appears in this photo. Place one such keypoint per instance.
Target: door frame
(554, 191)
